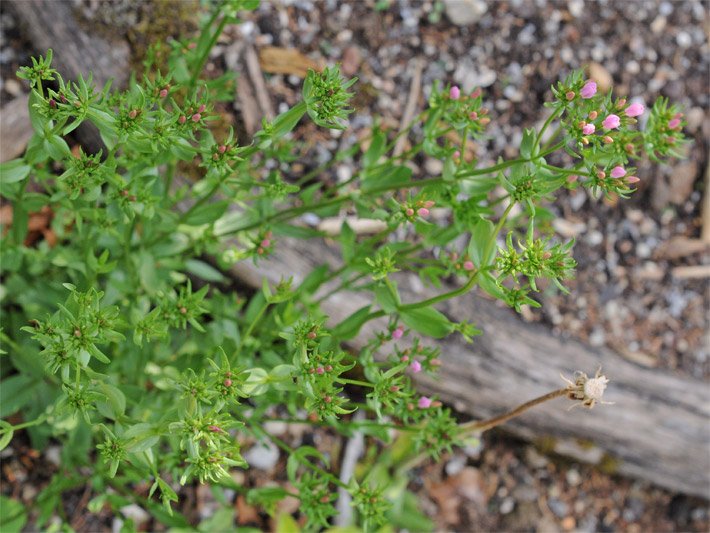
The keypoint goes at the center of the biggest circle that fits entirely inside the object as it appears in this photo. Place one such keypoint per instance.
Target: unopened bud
(585, 141)
(327, 399)
(484, 121)
(182, 119)
(607, 139)
(570, 95)
(196, 117)
(266, 243)
(423, 212)
(201, 109)
(227, 382)
(320, 370)
(621, 103)
(593, 115)
(183, 310)
(311, 335)
(163, 93)
(133, 113)
(222, 148)
(409, 212)
(601, 174)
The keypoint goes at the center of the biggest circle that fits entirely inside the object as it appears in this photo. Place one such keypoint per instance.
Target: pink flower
(674, 123)
(423, 212)
(397, 333)
(320, 370)
(588, 129)
(633, 179)
(611, 122)
(416, 366)
(468, 265)
(634, 110)
(572, 178)
(454, 92)
(589, 89)
(457, 154)
(424, 402)
(618, 172)
(196, 117)
(163, 93)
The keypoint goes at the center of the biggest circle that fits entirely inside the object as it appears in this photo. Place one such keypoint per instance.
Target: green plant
(124, 336)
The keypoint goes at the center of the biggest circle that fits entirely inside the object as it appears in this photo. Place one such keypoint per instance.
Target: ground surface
(630, 293)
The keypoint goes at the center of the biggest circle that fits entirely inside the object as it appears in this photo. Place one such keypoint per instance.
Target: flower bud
(607, 139)
(404, 358)
(593, 115)
(468, 266)
(589, 89)
(320, 370)
(133, 113)
(634, 110)
(416, 366)
(423, 212)
(484, 121)
(182, 119)
(222, 148)
(409, 212)
(163, 93)
(473, 115)
(196, 117)
(476, 93)
(618, 172)
(611, 122)
(632, 179)
(621, 103)
(570, 95)
(454, 92)
(398, 333)
(183, 310)
(673, 123)
(265, 243)
(429, 204)
(424, 403)
(227, 382)
(588, 129)
(601, 174)
(572, 178)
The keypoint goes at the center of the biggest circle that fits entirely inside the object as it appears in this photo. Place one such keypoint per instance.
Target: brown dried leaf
(277, 60)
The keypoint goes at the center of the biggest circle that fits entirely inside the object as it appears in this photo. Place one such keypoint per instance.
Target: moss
(609, 464)
(142, 24)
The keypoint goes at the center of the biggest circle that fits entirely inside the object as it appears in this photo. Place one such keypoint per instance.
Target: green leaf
(427, 321)
(206, 214)
(350, 327)
(347, 242)
(7, 434)
(481, 235)
(375, 150)
(386, 177)
(14, 171)
(13, 515)
(528, 146)
(16, 392)
(386, 299)
(203, 270)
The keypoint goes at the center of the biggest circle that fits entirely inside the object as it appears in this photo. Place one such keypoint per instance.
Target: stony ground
(642, 285)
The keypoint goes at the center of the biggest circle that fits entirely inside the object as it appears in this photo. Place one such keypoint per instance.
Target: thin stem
(549, 120)
(484, 425)
(203, 59)
(355, 382)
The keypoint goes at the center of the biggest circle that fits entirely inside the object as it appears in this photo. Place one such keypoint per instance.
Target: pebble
(573, 477)
(684, 39)
(558, 507)
(465, 12)
(455, 465)
(507, 505)
(263, 455)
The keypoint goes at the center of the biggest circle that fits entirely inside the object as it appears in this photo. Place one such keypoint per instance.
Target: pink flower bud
(404, 358)
(221, 149)
(473, 115)
(133, 113)
(632, 179)
(429, 204)
(320, 370)
(572, 178)
(328, 368)
(588, 129)
(570, 95)
(673, 123)
(227, 382)
(468, 265)
(424, 402)
(454, 92)
(196, 117)
(215, 429)
(634, 110)
(265, 243)
(589, 89)
(611, 122)
(593, 115)
(192, 46)
(201, 108)
(457, 154)
(476, 93)
(416, 366)
(163, 93)
(409, 212)
(182, 119)
(618, 172)
(397, 333)
(423, 212)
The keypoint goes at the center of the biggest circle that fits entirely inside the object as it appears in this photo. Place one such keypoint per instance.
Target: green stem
(549, 120)
(252, 325)
(355, 382)
(203, 59)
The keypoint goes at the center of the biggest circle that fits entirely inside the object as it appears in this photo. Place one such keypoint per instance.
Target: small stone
(263, 455)
(684, 39)
(507, 505)
(455, 465)
(576, 8)
(658, 24)
(135, 513)
(465, 12)
(573, 477)
(13, 87)
(558, 507)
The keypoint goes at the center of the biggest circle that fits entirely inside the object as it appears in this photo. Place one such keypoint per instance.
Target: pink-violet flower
(416, 366)
(424, 402)
(611, 122)
(633, 179)
(589, 89)
(634, 110)
(588, 129)
(398, 332)
(674, 123)
(618, 172)
(454, 92)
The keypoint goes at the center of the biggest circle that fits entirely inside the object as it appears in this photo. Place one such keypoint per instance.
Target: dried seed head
(587, 390)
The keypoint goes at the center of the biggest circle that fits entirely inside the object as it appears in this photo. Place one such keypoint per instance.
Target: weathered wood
(52, 24)
(15, 128)
(659, 428)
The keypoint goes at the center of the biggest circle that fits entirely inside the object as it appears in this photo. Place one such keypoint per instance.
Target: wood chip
(15, 128)
(276, 60)
(601, 75)
(691, 272)
(681, 246)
